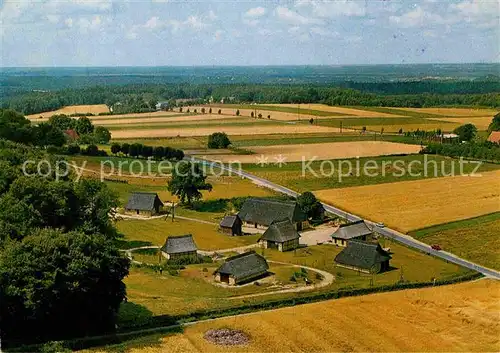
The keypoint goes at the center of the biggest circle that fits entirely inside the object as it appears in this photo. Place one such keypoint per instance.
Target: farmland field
(475, 239)
(322, 151)
(465, 112)
(413, 205)
(461, 317)
(343, 111)
(230, 130)
(73, 109)
(347, 173)
(481, 122)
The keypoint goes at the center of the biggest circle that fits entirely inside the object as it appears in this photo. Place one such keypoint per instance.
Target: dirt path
(139, 218)
(328, 279)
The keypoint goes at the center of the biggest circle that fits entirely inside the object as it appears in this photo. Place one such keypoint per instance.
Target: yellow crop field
(455, 318)
(274, 115)
(454, 111)
(320, 151)
(230, 130)
(428, 125)
(178, 120)
(481, 122)
(72, 109)
(340, 110)
(417, 204)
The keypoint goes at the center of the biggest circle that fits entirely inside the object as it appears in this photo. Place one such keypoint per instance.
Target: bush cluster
(140, 150)
(484, 151)
(218, 140)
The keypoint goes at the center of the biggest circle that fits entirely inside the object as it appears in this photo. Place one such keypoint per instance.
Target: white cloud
(89, 24)
(256, 12)
(294, 18)
(68, 22)
(153, 23)
(334, 8)
(251, 22)
(417, 17)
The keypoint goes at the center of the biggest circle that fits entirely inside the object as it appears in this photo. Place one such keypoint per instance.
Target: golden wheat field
(428, 125)
(274, 115)
(177, 120)
(355, 113)
(410, 205)
(481, 122)
(72, 109)
(321, 151)
(456, 318)
(454, 111)
(230, 130)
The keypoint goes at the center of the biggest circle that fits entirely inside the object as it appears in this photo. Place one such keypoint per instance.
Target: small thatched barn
(364, 257)
(182, 246)
(280, 235)
(231, 225)
(242, 268)
(352, 231)
(260, 213)
(144, 203)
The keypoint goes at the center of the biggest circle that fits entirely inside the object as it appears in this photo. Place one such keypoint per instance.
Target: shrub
(219, 112)
(218, 140)
(115, 148)
(73, 149)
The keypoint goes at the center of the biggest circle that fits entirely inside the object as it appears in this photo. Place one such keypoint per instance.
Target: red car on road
(436, 247)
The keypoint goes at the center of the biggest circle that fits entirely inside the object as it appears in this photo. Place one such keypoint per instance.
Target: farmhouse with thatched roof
(144, 203)
(231, 225)
(351, 231)
(260, 213)
(242, 268)
(182, 246)
(364, 257)
(280, 235)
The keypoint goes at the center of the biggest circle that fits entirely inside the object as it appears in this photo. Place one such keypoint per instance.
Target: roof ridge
(352, 223)
(273, 201)
(250, 252)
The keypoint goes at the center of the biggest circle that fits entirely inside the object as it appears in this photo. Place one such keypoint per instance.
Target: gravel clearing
(227, 337)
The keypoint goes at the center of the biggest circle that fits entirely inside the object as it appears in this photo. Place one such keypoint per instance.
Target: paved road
(387, 232)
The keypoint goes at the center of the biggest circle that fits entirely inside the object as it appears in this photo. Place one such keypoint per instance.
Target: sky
(224, 32)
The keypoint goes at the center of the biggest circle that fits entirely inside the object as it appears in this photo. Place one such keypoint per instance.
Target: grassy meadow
(476, 239)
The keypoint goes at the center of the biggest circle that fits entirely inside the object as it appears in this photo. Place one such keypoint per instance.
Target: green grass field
(291, 175)
(476, 239)
(156, 294)
(156, 231)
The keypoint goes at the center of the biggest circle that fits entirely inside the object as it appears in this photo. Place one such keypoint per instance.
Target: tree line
(488, 151)
(139, 150)
(15, 127)
(139, 98)
(61, 274)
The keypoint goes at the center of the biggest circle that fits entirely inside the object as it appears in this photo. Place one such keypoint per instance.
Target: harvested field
(321, 151)
(454, 111)
(282, 116)
(417, 204)
(230, 130)
(428, 125)
(72, 109)
(481, 122)
(341, 110)
(178, 120)
(462, 318)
